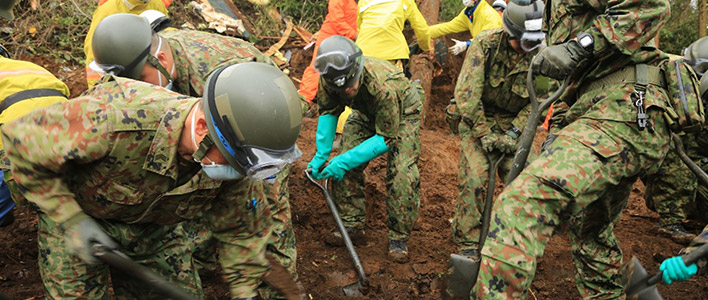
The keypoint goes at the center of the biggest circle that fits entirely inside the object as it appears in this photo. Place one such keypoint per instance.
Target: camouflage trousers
(402, 177)
(586, 174)
(674, 191)
(166, 250)
(472, 182)
(281, 245)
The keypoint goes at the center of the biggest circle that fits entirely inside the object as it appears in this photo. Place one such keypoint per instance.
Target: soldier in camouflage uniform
(121, 166)
(588, 170)
(191, 56)
(674, 192)
(493, 102)
(385, 118)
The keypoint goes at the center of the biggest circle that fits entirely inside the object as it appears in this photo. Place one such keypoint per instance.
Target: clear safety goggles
(531, 40)
(259, 163)
(700, 66)
(117, 69)
(338, 60)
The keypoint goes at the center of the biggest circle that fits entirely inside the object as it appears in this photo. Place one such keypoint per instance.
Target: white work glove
(459, 47)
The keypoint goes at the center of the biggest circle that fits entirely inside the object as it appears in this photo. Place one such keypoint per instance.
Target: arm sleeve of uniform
(326, 104)
(419, 25)
(458, 24)
(699, 241)
(42, 145)
(626, 25)
(338, 12)
(522, 117)
(239, 222)
(468, 90)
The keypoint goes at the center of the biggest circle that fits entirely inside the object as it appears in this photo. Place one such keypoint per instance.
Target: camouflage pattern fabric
(699, 241)
(164, 249)
(491, 102)
(122, 136)
(389, 105)
(600, 151)
(196, 55)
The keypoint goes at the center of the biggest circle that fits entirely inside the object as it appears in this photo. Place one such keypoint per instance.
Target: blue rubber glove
(364, 152)
(326, 130)
(675, 270)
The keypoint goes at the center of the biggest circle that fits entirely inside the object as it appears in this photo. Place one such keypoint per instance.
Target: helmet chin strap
(152, 59)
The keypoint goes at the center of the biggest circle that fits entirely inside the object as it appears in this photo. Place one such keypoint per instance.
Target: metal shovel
(640, 286)
(122, 262)
(462, 270)
(353, 289)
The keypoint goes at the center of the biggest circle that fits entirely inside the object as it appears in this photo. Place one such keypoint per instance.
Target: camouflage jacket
(112, 154)
(197, 54)
(381, 98)
(699, 241)
(497, 95)
(622, 31)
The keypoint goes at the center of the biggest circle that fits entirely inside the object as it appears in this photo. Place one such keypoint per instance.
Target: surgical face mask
(213, 170)
(469, 3)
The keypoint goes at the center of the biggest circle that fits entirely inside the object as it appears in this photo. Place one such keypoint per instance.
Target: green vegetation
(681, 29)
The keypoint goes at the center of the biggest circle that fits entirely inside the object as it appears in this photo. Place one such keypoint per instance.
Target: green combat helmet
(253, 115)
(524, 23)
(6, 9)
(339, 61)
(121, 44)
(696, 55)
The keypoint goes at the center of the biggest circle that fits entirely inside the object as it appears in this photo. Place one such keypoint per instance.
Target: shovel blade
(635, 280)
(353, 290)
(461, 275)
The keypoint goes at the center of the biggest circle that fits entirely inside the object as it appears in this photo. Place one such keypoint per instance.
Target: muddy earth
(324, 270)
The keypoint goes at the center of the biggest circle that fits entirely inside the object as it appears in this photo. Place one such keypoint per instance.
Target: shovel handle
(338, 220)
(678, 147)
(120, 261)
(529, 132)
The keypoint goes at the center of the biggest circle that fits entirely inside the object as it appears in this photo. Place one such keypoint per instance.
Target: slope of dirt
(324, 270)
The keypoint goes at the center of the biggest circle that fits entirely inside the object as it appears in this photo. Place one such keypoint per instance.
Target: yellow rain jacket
(380, 26)
(484, 17)
(18, 76)
(106, 9)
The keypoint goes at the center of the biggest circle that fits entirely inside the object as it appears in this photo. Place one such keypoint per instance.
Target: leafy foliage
(681, 29)
(449, 9)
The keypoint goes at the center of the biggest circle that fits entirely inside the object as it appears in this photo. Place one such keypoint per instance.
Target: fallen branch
(282, 41)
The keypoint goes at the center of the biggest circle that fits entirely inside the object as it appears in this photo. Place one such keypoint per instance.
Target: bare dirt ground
(324, 270)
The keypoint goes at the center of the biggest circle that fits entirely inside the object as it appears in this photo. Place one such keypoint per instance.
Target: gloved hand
(326, 127)
(549, 140)
(488, 142)
(81, 232)
(364, 152)
(507, 142)
(452, 116)
(558, 61)
(459, 47)
(675, 270)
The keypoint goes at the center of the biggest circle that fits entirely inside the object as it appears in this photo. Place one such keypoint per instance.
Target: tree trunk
(421, 66)
(701, 18)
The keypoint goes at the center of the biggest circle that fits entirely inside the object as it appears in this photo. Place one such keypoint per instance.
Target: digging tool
(353, 289)
(640, 286)
(678, 147)
(463, 271)
(524, 147)
(122, 262)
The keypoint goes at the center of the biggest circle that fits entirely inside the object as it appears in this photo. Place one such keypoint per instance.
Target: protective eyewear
(531, 40)
(338, 60)
(699, 66)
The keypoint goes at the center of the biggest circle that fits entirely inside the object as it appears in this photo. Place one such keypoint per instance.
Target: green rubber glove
(489, 142)
(675, 270)
(558, 61)
(364, 152)
(81, 232)
(507, 142)
(326, 130)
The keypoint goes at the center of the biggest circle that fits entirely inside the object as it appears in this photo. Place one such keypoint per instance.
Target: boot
(334, 238)
(398, 251)
(677, 233)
